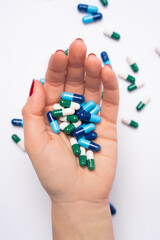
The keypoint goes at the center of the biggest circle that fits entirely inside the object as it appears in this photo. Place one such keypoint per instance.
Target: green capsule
(66, 52)
(140, 106)
(69, 104)
(75, 147)
(135, 85)
(132, 87)
(104, 2)
(57, 113)
(71, 127)
(143, 103)
(126, 76)
(63, 112)
(115, 36)
(133, 124)
(90, 160)
(70, 118)
(130, 79)
(82, 157)
(15, 138)
(134, 67)
(129, 122)
(132, 63)
(19, 142)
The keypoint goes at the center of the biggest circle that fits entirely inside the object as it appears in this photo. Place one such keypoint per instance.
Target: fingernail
(79, 39)
(91, 54)
(109, 65)
(32, 88)
(60, 50)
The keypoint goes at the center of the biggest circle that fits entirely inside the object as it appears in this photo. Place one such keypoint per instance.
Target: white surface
(30, 31)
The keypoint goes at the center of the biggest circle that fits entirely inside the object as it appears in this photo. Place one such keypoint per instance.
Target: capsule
(82, 157)
(86, 107)
(70, 118)
(53, 122)
(57, 106)
(63, 125)
(89, 117)
(126, 77)
(129, 122)
(87, 8)
(63, 112)
(81, 131)
(132, 63)
(135, 85)
(95, 110)
(75, 146)
(112, 209)
(72, 97)
(69, 104)
(91, 136)
(104, 2)
(105, 59)
(66, 52)
(19, 142)
(17, 122)
(42, 80)
(143, 103)
(89, 145)
(92, 18)
(111, 34)
(72, 126)
(90, 160)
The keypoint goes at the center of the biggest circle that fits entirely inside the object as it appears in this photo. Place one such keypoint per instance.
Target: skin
(79, 197)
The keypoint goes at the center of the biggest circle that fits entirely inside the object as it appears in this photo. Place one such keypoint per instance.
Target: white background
(29, 32)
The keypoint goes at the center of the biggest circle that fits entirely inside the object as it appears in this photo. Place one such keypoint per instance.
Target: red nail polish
(79, 39)
(32, 88)
(91, 54)
(59, 50)
(108, 65)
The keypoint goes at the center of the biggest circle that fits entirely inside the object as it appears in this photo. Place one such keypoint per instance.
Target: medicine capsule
(135, 85)
(132, 63)
(42, 80)
(75, 146)
(91, 136)
(143, 103)
(57, 106)
(72, 97)
(92, 18)
(126, 77)
(105, 59)
(82, 157)
(104, 2)
(87, 8)
(17, 122)
(63, 125)
(53, 122)
(69, 104)
(95, 110)
(86, 107)
(112, 208)
(83, 130)
(70, 118)
(129, 122)
(72, 126)
(90, 160)
(89, 145)
(66, 52)
(89, 117)
(111, 34)
(63, 112)
(18, 141)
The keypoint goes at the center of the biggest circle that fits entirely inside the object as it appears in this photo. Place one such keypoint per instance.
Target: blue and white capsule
(73, 97)
(81, 131)
(92, 18)
(89, 117)
(17, 122)
(86, 107)
(53, 122)
(91, 136)
(105, 59)
(42, 80)
(87, 8)
(95, 110)
(89, 145)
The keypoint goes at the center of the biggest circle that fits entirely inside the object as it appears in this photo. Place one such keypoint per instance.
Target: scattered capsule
(17, 122)
(82, 157)
(91, 136)
(70, 118)
(89, 145)
(18, 141)
(63, 125)
(57, 106)
(135, 85)
(89, 117)
(129, 122)
(63, 112)
(75, 146)
(72, 97)
(53, 122)
(69, 104)
(112, 208)
(143, 103)
(92, 18)
(90, 160)
(72, 126)
(66, 52)
(86, 107)
(126, 77)
(95, 110)
(83, 130)
(87, 8)
(105, 59)
(42, 80)
(104, 2)
(111, 34)
(132, 63)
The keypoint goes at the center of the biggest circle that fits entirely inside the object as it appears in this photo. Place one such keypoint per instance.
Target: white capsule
(90, 155)
(83, 151)
(107, 32)
(57, 106)
(122, 75)
(21, 145)
(63, 125)
(73, 141)
(75, 105)
(126, 120)
(146, 99)
(68, 111)
(130, 59)
(157, 49)
(139, 84)
(77, 124)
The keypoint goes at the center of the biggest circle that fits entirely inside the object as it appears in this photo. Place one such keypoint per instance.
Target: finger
(93, 86)
(75, 71)
(55, 77)
(109, 109)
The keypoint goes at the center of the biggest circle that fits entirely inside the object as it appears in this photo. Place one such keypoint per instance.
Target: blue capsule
(112, 208)
(87, 8)
(105, 59)
(92, 17)
(72, 97)
(91, 136)
(83, 130)
(86, 107)
(42, 80)
(17, 122)
(53, 122)
(95, 110)
(82, 104)
(89, 117)
(89, 145)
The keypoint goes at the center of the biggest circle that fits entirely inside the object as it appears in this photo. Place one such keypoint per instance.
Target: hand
(51, 154)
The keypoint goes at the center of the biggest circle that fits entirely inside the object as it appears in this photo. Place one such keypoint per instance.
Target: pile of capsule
(77, 120)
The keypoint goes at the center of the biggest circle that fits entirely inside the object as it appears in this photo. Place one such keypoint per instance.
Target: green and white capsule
(70, 118)
(69, 104)
(72, 126)
(104, 2)
(129, 122)
(63, 112)
(64, 125)
(132, 63)
(135, 85)
(143, 103)
(82, 157)
(66, 52)
(19, 142)
(75, 146)
(111, 34)
(57, 106)
(157, 49)
(126, 77)
(90, 160)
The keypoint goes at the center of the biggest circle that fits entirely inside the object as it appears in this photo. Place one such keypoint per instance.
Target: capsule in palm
(63, 125)
(143, 103)
(70, 118)
(89, 117)
(95, 110)
(90, 160)
(129, 122)
(135, 85)
(42, 80)
(63, 112)
(75, 146)
(72, 97)
(91, 136)
(53, 122)
(126, 77)
(69, 104)
(57, 106)
(72, 126)
(86, 107)
(17, 122)
(81, 131)
(104, 2)
(132, 63)
(18, 141)
(105, 58)
(111, 34)
(89, 145)
(82, 157)
(87, 8)
(92, 18)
